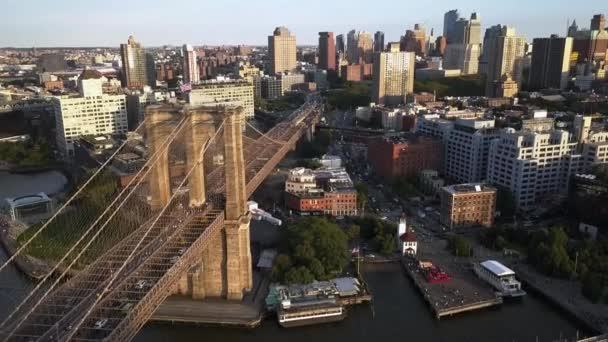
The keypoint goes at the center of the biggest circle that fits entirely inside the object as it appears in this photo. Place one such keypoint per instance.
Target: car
(371, 256)
(174, 260)
(141, 284)
(181, 251)
(101, 323)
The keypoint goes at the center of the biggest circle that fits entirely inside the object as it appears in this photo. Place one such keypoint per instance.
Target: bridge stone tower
(225, 267)
(160, 121)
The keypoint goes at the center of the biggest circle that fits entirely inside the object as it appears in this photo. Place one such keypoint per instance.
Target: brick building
(468, 205)
(357, 72)
(404, 156)
(320, 192)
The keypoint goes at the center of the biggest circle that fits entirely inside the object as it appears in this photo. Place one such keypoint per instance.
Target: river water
(399, 314)
(15, 185)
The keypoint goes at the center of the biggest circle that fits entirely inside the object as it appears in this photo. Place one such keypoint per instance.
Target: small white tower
(406, 239)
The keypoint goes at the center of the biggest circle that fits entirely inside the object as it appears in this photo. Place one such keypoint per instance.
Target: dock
(463, 293)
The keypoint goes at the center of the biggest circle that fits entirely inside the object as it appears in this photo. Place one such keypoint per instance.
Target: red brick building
(404, 156)
(357, 72)
(53, 85)
(320, 202)
(327, 51)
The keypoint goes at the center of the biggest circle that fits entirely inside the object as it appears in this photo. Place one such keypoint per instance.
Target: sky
(47, 23)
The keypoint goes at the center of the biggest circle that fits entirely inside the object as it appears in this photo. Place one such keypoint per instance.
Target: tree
(362, 194)
(353, 231)
(318, 249)
(459, 246)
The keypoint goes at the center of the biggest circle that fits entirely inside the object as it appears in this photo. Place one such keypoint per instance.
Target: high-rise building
(459, 32)
(151, 70)
(550, 62)
(360, 47)
(474, 30)
(190, 66)
(404, 156)
(598, 23)
(464, 57)
(393, 76)
(91, 112)
(534, 166)
(505, 58)
(327, 51)
(440, 45)
(340, 44)
(51, 62)
(414, 40)
(224, 91)
(379, 41)
(490, 34)
(572, 29)
(467, 147)
(282, 51)
(449, 19)
(134, 64)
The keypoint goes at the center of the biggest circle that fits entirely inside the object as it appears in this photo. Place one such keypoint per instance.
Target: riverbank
(33, 268)
(567, 296)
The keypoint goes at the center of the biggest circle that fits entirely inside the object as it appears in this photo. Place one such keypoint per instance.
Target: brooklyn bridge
(182, 221)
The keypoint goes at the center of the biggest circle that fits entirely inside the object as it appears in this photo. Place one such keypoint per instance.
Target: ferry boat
(500, 277)
(308, 315)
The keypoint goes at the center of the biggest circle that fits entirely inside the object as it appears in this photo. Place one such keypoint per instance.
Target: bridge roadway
(168, 251)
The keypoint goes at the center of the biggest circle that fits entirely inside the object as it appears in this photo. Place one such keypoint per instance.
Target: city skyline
(155, 25)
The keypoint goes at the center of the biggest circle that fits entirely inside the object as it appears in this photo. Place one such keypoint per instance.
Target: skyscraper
(459, 32)
(151, 70)
(505, 59)
(379, 41)
(449, 19)
(340, 44)
(327, 51)
(393, 76)
(474, 30)
(190, 67)
(414, 40)
(365, 45)
(598, 22)
(282, 51)
(134, 66)
(351, 47)
(572, 29)
(550, 62)
(490, 35)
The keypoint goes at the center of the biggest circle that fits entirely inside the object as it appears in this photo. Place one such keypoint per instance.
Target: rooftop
(469, 188)
(497, 268)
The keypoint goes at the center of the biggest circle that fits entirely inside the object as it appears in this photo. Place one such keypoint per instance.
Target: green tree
(353, 231)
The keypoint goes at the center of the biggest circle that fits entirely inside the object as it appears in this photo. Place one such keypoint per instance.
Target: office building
(222, 91)
(506, 87)
(360, 47)
(467, 146)
(505, 58)
(404, 156)
(598, 22)
(290, 81)
(459, 33)
(190, 65)
(379, 41)
(327, 51)
(440, 46)
(550, 66)
(464, 57)
(466, 205)
(91, 112)
(51, 62)
(490, 35)
(473, 35)
(271, 87)
(535, 167)
(282, 51)
(340, 44)
(151, 70)
(393, 76)
(414, 40)
(449, 20)
(134, 64)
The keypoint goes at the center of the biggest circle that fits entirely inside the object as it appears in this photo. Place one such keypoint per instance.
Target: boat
(500, 277)
(309, 315)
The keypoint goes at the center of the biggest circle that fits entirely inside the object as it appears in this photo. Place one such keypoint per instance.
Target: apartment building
(467, 205)
(224, 90)
(90, 112)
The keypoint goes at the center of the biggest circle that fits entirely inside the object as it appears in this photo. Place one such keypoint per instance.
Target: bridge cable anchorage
(139, 180)
(67, 203)
(115, 275)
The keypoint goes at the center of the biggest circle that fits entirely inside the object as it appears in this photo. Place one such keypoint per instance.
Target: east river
(399, 314)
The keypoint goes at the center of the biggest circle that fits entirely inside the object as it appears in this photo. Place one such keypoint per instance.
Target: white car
(101, 323)
(141, 284)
